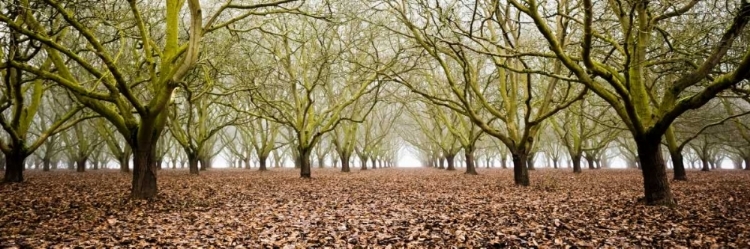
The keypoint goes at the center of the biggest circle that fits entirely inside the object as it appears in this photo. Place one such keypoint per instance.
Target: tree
(321, 69)
(22, 95)
(619, 68)
(472, 66)
(132, 89)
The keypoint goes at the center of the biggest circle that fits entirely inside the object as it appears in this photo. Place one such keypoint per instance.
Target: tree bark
(144, 171)
(81, 165)
(470, 167)
(555, 163)
(14, 163)
(441, 163)
(705, 166)
(204, 163)
(374, 163)
(520, 170)
(655, 181)
(590, 162)
(678, 165)
(344, 162)
(304, 159)
(262, 162)
(530, 161)
(46, 164)
(576, 163)
(504, 162)
(363, 160)
(451, 162)
(124, 162)
(193, 164)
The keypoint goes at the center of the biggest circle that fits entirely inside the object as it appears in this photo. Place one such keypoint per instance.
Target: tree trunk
(262, 162)
(373, 161)
(204, 163)
(321, 162)
(451, 162)
(470, 167)
(576, 163)
(590, 162)
(520, 170)
(555, 162)
(144, 171)
(441, 163)
(14, 163)
(655, 181)
(679, 165)
(504, 162)
(81, 165)
(705, 165)
(193, 164)
(304, 159)
(363, 160)
(298, 161)
(530, 161)
(747, 162)
(124, 163)
(46, 164)
(344, 162)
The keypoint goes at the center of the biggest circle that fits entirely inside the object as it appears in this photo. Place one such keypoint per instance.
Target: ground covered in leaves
(374, 208)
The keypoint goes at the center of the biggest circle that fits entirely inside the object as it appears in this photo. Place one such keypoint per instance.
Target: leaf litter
(381, 208)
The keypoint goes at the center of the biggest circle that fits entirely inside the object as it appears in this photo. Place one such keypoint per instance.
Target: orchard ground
(415, 207)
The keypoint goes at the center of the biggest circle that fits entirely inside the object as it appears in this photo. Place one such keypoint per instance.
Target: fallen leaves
(377, 208)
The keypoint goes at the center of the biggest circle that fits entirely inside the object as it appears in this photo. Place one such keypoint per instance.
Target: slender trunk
(81, 165)
(555, 162)
(363, 160)
(14, 163)
(451, 162)
(487, 162)
(304, 159)
(520, 170)
(344, 162)
(124, 163)
(204, 163)
(576, 163)
(530, 161)
(655, 181)
(193, 163)
(590, 162)
(678, 164)
(372, 161)
(262, 161)
(321, 162)
(470, 167)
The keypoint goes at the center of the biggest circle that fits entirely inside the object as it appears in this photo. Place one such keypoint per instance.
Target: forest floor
(375, 208)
